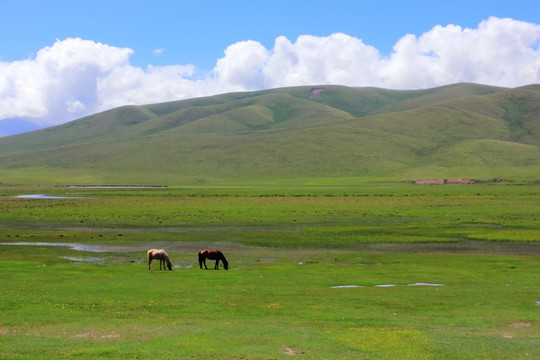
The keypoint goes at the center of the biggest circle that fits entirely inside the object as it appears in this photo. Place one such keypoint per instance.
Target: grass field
(295, 254)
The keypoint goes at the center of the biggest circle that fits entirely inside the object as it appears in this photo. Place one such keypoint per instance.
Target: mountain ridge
(291, 133)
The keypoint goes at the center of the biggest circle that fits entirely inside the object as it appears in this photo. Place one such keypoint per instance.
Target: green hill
(294, 134)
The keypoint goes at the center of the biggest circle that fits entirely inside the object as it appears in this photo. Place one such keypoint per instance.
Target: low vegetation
(309, 272)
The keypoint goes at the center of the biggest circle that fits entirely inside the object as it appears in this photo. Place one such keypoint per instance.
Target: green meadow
(370, 271)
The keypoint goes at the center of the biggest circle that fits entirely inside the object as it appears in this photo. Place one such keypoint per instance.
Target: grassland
(288, 248)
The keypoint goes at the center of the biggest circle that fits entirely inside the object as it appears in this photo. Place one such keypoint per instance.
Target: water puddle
(415, 284)
(384, 285)
(424, 284)
(82, 260)
(73, 246)
(42, 196)
(182, 267)
(124, 248)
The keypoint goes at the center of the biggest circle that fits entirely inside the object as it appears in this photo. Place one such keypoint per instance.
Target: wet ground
(461, 247)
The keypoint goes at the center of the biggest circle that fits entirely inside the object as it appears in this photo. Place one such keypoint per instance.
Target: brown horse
(160, 255)
(212, 255)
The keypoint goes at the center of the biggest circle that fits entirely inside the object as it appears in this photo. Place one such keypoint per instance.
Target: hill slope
(462, 130)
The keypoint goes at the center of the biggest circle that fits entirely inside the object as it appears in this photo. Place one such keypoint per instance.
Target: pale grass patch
(519, 324)
(7, 331)
(407, 343)
(95, 334)
(289, 351)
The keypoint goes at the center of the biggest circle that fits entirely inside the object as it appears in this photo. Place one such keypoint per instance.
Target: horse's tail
(149, 257)
(169, 265)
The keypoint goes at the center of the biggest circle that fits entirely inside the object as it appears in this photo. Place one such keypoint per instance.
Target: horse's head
(169, 265)
(225, 264)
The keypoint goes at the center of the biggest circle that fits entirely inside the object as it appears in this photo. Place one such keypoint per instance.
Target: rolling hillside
(295, 134)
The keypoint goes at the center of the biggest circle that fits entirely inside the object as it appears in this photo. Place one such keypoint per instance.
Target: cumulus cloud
(501, 52)
(242, 67)
(60, 83)
(76, 77)
(127, 84)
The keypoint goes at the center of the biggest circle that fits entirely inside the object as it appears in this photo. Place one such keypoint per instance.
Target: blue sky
(60, 60)
(199, 31)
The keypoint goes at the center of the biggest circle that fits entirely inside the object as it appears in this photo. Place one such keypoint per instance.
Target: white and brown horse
(160, 255)
(212, 255)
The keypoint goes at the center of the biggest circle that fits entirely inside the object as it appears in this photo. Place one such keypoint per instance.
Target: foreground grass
(272, 303)
(287, 248)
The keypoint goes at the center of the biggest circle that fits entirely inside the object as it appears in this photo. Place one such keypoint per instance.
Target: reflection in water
(78, 247)
(459, 247)
(123, 248)
(41, 196)
(89, 259)
(384, 285)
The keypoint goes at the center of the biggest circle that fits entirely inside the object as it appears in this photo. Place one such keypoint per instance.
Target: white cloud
(158, 52)
(132, 85)
(76, 77)
(242, 66)
(60, 83)
(336, 59)
(499, 52)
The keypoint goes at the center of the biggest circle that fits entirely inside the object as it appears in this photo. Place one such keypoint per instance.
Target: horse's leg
(216, 267)
(149, 262)
(161, 261)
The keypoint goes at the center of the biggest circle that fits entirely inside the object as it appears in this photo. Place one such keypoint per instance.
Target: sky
(61, 60)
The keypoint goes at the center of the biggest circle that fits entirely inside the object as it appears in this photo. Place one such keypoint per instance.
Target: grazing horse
(212, 255)
(160, 255)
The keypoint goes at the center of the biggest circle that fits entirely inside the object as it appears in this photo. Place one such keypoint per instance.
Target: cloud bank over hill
(76, 77)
